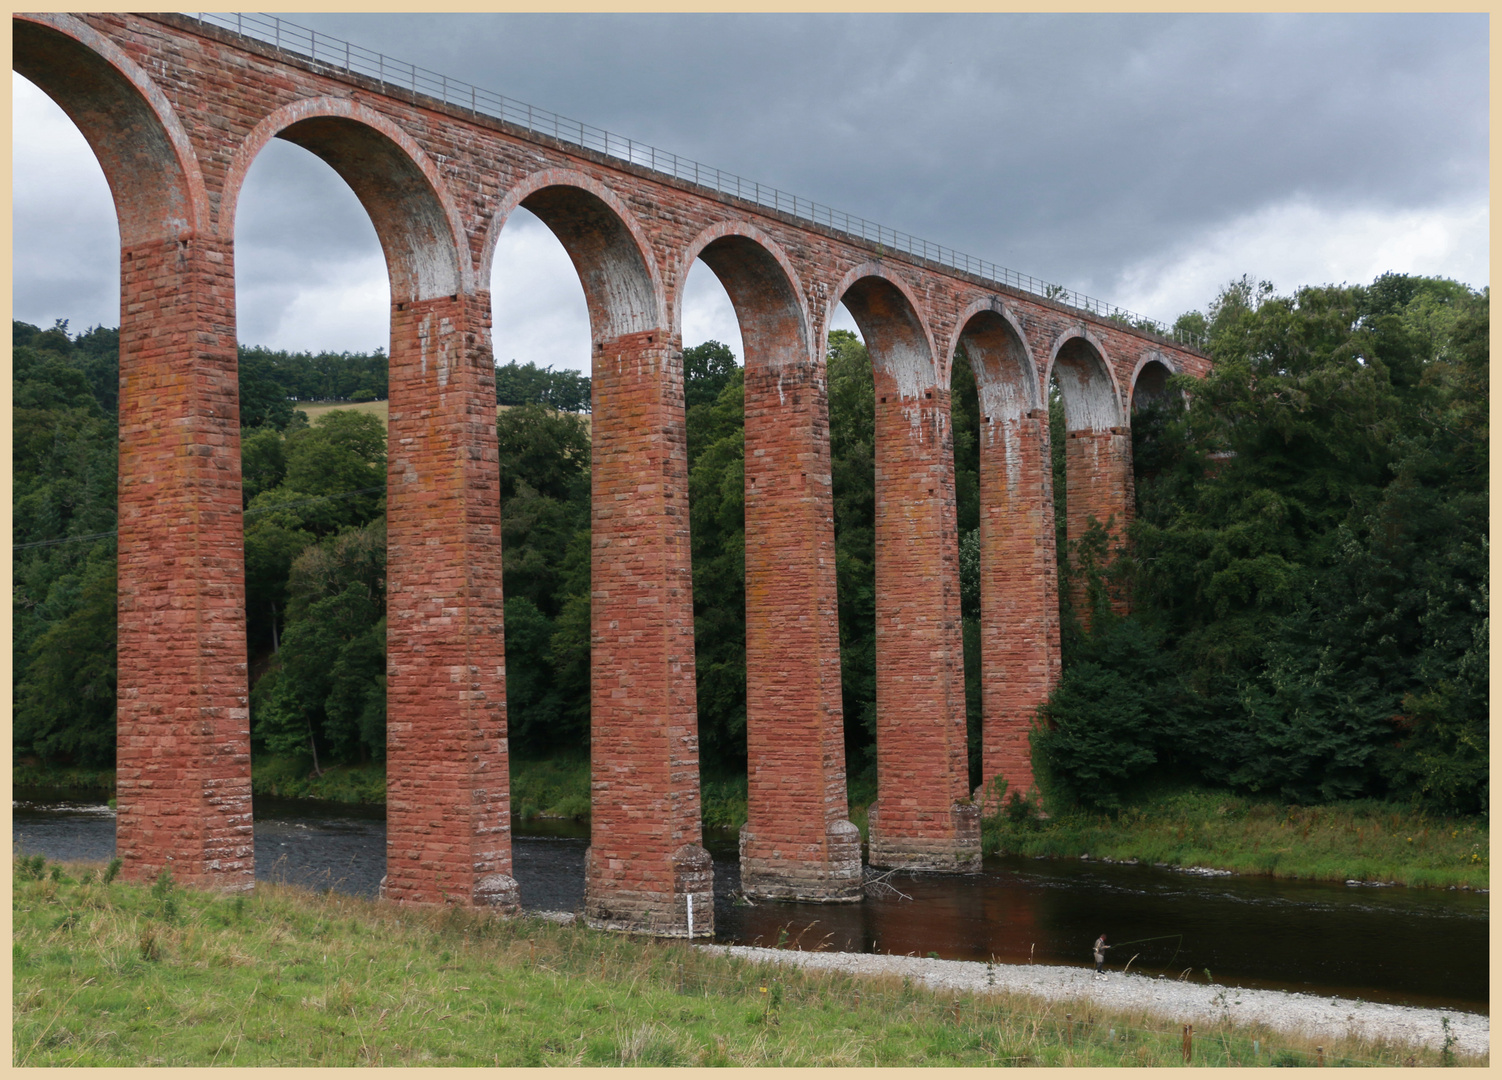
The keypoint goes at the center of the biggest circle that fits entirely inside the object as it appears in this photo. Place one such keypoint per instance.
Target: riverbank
(107, 972)
(1365, 841)
(1204, 1004)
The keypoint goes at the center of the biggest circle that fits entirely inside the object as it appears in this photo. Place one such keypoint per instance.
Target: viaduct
(177, 109)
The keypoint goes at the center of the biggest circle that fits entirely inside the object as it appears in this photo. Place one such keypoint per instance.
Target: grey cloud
(1068, 147)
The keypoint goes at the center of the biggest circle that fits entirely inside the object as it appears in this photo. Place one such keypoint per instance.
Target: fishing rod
(1139, 941)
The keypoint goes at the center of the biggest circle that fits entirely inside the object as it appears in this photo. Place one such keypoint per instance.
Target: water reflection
(1399, 945)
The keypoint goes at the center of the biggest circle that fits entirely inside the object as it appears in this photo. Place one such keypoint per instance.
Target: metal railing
(338, 55)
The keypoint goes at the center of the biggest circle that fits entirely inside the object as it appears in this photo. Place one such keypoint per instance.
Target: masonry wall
(646, 857)
(798, 842)
(183, 748)
(448, 807)
(184, 738)
(1019, 598)
(922, 818)
(1098, 466)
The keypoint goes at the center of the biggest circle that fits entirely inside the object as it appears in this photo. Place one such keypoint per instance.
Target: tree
(528, 384)
(707, 368)
(852, 446)
(717, 516)
(1310, 555)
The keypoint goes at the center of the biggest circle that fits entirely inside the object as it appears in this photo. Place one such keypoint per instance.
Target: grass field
(315, 409)
(1361, 840)
(106, 972)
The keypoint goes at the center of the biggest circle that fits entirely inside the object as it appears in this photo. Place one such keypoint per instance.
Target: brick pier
(177, 111)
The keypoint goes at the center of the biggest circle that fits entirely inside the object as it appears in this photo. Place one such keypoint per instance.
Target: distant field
(315, 409)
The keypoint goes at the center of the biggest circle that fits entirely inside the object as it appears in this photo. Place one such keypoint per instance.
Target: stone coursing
(177, 110)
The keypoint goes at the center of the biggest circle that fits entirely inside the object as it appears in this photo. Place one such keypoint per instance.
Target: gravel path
(1181, 1001)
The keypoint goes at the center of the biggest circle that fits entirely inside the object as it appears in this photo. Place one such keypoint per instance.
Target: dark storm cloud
(1063, 145)
(1145, 159)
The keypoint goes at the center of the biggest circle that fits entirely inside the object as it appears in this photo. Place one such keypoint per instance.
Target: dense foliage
(1308, 568)
(64, 391)
(272, 380)
(528, 384)
(1309, 563)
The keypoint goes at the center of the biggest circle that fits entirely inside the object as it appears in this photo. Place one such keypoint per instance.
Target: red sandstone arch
(413, 212)
(1092, 397)
(183, 739)
(607, 246)
(922, 818)
(798, 843)
(448, 829)
(763, 288)
(1098, 447)
(1019, 583)
(1006, 377)
(898, 340)
(646, 862)
(128, 123)
(1150, 379)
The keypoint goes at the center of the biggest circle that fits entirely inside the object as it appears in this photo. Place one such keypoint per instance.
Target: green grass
(1363, 841)
(35, 775)
(556, 788)
(119, 973)
(292, 778)
(379, 409)
(315, 409)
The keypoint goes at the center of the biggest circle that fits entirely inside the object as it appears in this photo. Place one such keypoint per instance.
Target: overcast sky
(1144, 159)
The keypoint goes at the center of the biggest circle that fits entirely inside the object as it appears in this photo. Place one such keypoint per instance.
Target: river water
(1397, 945)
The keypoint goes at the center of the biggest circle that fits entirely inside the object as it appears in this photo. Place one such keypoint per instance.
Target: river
(1397, 945)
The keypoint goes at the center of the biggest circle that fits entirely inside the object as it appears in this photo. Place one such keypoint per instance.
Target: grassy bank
(32, 775)
(1364, 841)
(112, 973)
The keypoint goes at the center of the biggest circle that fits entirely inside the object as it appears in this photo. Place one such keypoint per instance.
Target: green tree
(852, 445)
(545, 491)
(1310, 554)
(717, 517)
(707, 368)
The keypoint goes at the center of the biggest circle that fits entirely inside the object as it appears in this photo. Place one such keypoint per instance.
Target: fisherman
(1100, 956)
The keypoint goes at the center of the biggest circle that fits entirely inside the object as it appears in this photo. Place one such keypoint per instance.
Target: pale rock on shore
(1179, 1001)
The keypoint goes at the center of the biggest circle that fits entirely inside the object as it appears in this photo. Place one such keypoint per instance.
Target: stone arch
(791, 848)
(1098, 484)
(922, 819)
(897, 338)
(605, 243)
(1150, 379)
(1092, 398)
(1005, 375)
(127, 121)
(1019, 640)
(413, 213)
(763, 287)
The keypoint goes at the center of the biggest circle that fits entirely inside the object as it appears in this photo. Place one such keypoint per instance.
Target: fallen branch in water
(874, 884)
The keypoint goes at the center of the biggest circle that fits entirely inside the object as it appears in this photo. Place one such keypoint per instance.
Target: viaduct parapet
(177, 110)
